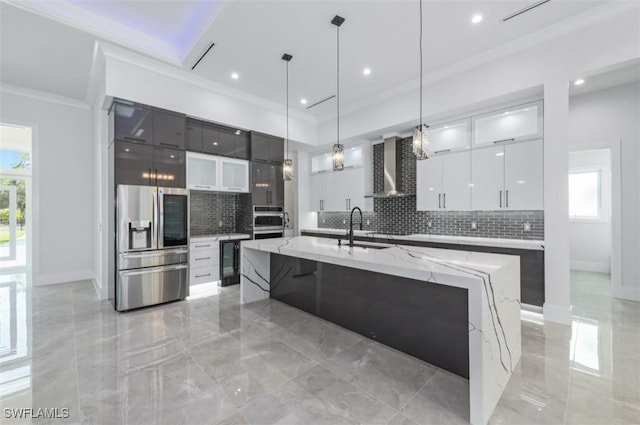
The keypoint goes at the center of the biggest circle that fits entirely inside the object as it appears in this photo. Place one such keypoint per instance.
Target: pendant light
(287, 168)
(420, 133)
(338, 149)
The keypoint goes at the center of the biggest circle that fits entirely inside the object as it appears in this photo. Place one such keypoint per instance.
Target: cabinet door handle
(149, 176)
(439, 200)
(156, 176)
(443, 150)
(135, 139)
(507, 198)
(505, 140)
(203, 275)
(500, 199)
(203, 258)
(346, 203)
(202, 246)
(320, 205)
(444, 200)
(239, 189)
(202, 186)
(169, 144)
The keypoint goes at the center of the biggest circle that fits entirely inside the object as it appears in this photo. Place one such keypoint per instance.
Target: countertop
(445, 266)
(220, 237)
(460, 240)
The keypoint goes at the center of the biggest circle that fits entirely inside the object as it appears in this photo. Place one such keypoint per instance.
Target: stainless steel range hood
(393, 170)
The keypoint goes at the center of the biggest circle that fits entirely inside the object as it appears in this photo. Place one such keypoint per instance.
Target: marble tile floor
(209, 360)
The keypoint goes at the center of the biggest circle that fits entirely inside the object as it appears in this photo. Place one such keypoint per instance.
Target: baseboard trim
(589, 266)
(557, 313)
(55, 278)
(98, 288)
(631, 294)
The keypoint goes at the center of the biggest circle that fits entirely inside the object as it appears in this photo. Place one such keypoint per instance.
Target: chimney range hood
(393, 170)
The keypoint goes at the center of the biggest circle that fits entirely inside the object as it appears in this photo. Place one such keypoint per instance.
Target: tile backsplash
(398, 216)
(218, 212)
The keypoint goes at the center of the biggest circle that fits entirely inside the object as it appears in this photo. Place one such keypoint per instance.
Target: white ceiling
(48, 46)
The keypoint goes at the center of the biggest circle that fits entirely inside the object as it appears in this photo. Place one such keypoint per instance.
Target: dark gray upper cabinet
(267, 186)
(193, 136)
(146, 165)
(134, 164)
(265, 148)
(168, 129)
(133, 123)
(170, 167)
(210, 139)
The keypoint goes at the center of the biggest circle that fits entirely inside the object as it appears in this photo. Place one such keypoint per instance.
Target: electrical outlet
(474, 225)
(429, 224)
(220, 223)
(368, 222)
(324, 221)
(527, 227)
(344, 221)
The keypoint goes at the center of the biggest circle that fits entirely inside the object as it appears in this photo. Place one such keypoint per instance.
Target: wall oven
(152, 265)
(268, 222)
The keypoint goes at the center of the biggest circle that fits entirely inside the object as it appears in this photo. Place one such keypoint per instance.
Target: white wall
(63, 178)
(610, 115)
(590, 242)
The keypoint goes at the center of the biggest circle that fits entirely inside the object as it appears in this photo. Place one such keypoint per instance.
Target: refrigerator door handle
(160, 218)
(153, 269)
(154, 228)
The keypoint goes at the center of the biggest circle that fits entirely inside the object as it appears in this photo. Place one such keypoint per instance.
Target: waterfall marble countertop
(493, 292)
(459, 240)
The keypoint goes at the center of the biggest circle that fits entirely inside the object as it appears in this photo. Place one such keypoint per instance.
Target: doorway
(15, 199)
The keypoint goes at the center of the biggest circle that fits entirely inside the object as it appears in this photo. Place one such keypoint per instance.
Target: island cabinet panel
(408, 315)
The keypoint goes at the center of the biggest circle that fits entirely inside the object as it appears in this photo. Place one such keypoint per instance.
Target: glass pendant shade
(421, 142)
(338, 157)
(287, 169)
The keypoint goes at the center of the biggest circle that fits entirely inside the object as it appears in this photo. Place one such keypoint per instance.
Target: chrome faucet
(351, 224)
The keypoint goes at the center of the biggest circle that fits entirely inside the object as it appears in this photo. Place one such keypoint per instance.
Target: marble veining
(494, 353)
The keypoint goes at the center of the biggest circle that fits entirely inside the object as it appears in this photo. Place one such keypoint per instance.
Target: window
(584, 195)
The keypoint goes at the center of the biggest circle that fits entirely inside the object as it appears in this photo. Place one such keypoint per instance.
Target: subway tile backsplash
(218, 212)
(398, 216)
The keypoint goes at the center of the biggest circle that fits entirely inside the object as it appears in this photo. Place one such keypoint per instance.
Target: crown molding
(44, 96)
(79, 18)
(132, 58)
(558, 29)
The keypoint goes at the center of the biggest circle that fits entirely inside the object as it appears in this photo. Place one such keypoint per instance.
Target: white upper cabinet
(519, 123)
(202, 171)
(338, 191)
(508, 177)
(429, 184)
(449, 137)
(523, 176)
(321, 163)
(235, 175)
(456, 175)
(443, 183)
(487, 178)
(214, 173)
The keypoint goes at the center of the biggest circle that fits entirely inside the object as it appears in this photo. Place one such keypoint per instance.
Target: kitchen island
(457, 310)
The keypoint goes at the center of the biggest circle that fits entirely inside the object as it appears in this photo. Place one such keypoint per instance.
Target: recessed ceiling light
(366, 71)
(172, 156)
(303, 101)
(578, 82)
(476, 18)
(235, 76)
(126, 150)
(215, 143)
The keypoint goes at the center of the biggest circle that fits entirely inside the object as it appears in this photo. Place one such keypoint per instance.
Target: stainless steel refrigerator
(152, 258)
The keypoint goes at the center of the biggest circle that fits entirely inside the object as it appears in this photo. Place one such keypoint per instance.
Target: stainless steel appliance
(229, 262)
(268, 221)
(151, 241)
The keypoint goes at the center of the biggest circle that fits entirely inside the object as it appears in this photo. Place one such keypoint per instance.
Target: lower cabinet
(204, 261)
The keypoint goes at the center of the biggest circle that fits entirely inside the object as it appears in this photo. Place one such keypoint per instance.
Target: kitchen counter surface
(220, 237)
(459, 240)
(492, 282)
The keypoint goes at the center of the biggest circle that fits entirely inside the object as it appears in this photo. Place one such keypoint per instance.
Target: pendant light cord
(338, 81)
(287, 109)
(420, 66)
